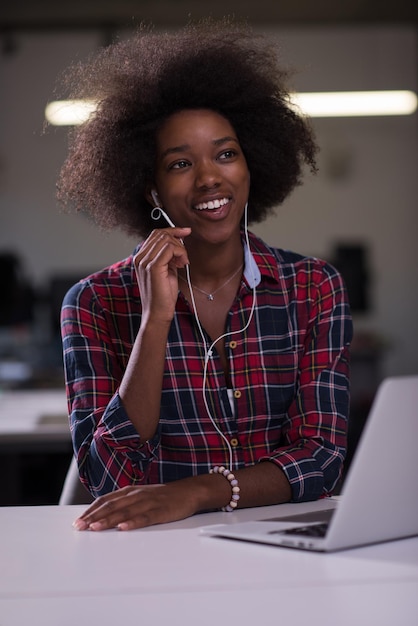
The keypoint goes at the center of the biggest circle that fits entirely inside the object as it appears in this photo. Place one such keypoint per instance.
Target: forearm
(136, 507)
(140, 388)
(260, 484)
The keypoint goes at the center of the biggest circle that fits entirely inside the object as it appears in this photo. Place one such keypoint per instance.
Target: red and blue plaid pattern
(289, 372)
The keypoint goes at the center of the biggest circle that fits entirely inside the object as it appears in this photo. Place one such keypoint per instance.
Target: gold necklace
(211, 296)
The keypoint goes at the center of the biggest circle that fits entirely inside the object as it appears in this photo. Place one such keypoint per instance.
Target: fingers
(156, 265)
(162, 247)
(125, 509)
(140, 506)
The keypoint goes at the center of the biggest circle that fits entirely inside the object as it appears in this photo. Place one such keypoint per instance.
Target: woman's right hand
(156, 264)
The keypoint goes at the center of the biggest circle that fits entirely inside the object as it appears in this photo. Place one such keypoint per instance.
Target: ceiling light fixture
(320, 104)
(356, 103)
(69, 112)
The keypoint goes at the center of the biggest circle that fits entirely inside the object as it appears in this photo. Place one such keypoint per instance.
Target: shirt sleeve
(315, 433)
(108, 448)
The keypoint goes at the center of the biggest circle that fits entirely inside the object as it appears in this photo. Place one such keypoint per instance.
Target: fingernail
(96, 526)
(79, 524)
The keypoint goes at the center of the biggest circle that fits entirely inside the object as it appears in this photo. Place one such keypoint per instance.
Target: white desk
(170, 575)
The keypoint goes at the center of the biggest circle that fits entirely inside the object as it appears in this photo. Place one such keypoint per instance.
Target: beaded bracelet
(220, 469)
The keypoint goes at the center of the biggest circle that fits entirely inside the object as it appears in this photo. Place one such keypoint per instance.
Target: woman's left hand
(139, 506)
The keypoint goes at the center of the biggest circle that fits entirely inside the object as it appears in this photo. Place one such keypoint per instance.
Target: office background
(359, 211)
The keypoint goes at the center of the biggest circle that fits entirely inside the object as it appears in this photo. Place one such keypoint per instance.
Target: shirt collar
(251, 272)
(259, 261)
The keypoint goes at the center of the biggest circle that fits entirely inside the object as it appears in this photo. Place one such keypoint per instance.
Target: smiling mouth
(212, 204)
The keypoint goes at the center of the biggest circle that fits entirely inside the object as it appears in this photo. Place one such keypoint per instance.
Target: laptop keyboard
(314, 530)
(313, 516)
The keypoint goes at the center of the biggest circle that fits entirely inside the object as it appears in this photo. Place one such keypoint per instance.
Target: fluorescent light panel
(69, 112)
(356, 103)
(321, 104)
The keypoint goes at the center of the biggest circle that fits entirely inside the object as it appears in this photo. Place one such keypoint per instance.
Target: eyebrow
(185, 147)
(219, 142)
(175, 149)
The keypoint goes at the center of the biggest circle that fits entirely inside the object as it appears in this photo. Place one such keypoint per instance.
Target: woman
(208, 370)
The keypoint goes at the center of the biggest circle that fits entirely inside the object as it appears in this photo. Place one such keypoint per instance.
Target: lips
(211, 204)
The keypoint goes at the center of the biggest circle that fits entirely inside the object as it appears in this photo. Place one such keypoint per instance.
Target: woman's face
(201, 175)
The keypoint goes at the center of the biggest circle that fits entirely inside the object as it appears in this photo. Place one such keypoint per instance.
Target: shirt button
(232, 345)
(234, 442)
(237, 393)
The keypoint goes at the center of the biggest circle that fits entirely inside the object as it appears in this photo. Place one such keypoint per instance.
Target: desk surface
(170, 574)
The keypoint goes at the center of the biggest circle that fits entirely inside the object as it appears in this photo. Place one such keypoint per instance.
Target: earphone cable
(156, 214)
(209, 351)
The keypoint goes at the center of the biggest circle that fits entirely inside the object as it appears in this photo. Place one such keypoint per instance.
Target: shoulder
(110, 283)
(293, 267)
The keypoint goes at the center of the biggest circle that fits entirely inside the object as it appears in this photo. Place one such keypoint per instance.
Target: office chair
(73, 491)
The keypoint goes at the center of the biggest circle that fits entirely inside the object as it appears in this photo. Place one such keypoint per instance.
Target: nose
(207, 175)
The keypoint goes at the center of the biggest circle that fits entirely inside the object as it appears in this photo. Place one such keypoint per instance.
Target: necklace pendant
(210, 296)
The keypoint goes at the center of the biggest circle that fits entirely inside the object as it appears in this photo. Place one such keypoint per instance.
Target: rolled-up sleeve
(109, 450)
(314, 437)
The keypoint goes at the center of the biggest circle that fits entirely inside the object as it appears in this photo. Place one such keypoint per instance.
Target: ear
(151, 195)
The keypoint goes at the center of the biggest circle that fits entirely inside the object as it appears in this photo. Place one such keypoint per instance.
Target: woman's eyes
(223, 156)
(179, 165)
(227, 154)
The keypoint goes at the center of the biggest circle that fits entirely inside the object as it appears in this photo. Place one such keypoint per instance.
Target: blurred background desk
(35, 445)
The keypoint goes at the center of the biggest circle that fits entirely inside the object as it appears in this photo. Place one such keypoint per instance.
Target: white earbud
(155, 197)
(157, 211)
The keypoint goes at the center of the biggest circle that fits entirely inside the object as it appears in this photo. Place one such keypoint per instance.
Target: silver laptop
(379, 499)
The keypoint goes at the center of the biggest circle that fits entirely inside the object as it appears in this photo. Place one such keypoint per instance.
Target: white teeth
(212, 204)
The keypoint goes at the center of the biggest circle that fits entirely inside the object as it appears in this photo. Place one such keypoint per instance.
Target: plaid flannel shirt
(289, 372)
